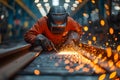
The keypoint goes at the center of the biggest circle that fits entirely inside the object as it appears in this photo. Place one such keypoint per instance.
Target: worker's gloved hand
(44, 42)
(73, 39)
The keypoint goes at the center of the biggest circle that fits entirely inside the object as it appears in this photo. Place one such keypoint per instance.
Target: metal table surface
(51, 66)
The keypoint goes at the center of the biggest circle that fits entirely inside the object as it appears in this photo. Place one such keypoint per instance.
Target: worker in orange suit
(57, 28)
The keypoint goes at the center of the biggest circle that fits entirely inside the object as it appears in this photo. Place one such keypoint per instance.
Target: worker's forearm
(29, 37)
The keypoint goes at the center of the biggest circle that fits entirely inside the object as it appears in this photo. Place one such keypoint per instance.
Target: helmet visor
(58, 18)
(58, 28)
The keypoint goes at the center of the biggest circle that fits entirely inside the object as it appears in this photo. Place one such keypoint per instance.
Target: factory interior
(96, 57)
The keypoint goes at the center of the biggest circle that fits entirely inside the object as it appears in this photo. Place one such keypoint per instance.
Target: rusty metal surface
(14, 58)
(8, 51)
(51, 63)
(11, 68)
(52, 66)
(88, 64)
(47, 77)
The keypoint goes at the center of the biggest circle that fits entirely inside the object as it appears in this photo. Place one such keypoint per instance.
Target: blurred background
(100, 19)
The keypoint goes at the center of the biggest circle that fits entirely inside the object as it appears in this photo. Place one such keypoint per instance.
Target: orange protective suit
(41, 27)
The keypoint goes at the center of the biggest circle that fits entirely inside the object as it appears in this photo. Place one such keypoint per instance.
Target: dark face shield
(57, 18)
(57, 28)
(58, 23)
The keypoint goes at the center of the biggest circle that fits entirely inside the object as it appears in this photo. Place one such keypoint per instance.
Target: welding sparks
(67, 53)
(102, 77)
(37, 72)
(76, 57)
(90, 59)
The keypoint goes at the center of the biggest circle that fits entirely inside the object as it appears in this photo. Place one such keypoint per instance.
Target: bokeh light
(102, 77)
(37, 72)
(111, 31)
(85, 28)
(102, 22)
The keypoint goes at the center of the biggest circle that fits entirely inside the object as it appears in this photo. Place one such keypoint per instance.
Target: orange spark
(109, 51)
(106, 6)
(80, 1)
(112, 75)
(108, 13)
(118, 64)
(116, 57)
(102, 22)
(86, 69)
(67, 67)
(106, 43)
(67, 61)
(71, 70)
(111, 31)
(93, 1)
(94, 38)
(118, 48)
(67, 53)
(116, 38)
(77, 68)
(89, 42)
(37, 54)
(37, 72)
(110, 63)
(85, 28)
(102, 77)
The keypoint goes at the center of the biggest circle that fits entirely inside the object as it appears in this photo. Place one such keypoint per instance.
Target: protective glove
(44, 42)
(73, 39)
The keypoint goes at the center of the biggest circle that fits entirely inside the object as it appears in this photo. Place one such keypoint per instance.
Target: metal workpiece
(81, 63)
(70, 65)
(15, 58)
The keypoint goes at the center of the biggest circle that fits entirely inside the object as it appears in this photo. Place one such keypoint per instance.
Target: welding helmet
(57, 18)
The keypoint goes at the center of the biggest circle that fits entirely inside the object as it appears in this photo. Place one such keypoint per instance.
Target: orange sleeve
(36, 29)
(75, 26)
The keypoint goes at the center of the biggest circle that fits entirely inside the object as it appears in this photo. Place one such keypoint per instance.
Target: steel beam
(20, 2)
(4, 2)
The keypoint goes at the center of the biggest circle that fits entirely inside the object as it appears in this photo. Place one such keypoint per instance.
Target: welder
(55, 29)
